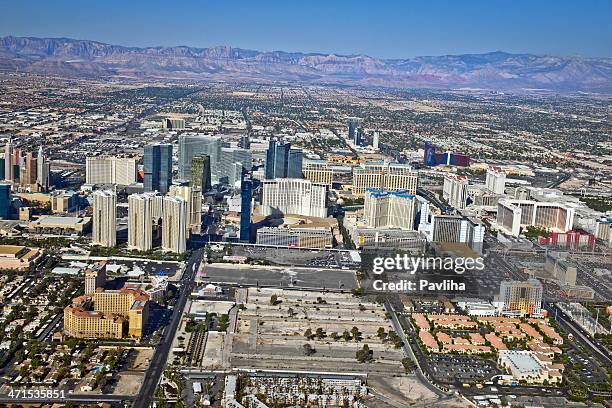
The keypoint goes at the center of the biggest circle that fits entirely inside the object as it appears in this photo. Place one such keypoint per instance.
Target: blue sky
(388, 29)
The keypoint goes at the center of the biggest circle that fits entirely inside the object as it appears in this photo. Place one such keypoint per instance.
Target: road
(577, 332)
(158, 363)
(408, 350)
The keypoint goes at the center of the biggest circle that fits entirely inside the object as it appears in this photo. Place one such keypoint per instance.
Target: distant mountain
(495, 70)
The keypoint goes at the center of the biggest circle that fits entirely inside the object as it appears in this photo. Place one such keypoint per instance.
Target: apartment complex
(104, 218)
(140, 221)
(294, 196)
(174, 225)
(193, 199)
(384, 176)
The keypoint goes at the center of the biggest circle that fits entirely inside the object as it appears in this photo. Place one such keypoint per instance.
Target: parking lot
(460, 369)
(280, 277)
(296, 256)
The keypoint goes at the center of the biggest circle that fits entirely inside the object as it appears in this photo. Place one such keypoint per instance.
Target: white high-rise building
(294, 196)
(512, 215)
(104, 218)
(389, 209)
(42, 170)
(140, 221)
(8, 160)
(375, 139)
(455, 190)
(193, 197)
(110, 170)
(496, 180)
(174, 225)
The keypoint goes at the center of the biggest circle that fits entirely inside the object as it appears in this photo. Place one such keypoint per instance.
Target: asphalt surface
(158, 363)
(312, 278)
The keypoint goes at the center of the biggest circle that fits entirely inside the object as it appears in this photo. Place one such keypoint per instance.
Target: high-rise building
(452, 228)
(246, 195)
(294, 196)
(389, 209)
(384, 176)
(375, 139)
(319, 171)
(513, 215)
(455, 190)
(200, 172)
(282, 161)
(5, 201)
(245, 142)
(110, 170)
(8, 160)
(174, 225)
(29, 170)
(353, 124)
(42, 171)
(194, 144)
(294, 166)
(104, 218)
(140, 221)
(231, 163)
(358, 139)
(521, 298)
(95, 277)
(496, 180)
(173, 123)
(158, 167)
(193, 199)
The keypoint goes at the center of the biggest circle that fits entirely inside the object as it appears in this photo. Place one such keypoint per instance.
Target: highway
(577, 332)
(158, 363)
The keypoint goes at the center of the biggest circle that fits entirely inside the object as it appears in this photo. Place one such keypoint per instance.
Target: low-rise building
(18, 257)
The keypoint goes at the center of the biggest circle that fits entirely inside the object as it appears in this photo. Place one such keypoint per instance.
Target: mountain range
(494, 70)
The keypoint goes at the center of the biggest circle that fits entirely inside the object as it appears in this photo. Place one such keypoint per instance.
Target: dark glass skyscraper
(5, 200)
(246, 195)
(282, 161)
(294, 166)
(158, 167)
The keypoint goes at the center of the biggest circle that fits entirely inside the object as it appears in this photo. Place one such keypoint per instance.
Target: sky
(379, 28)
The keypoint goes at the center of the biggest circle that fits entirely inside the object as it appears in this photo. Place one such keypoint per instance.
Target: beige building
(388, 209)
(384, 176)
(193, 199)
(18, 257)
(318, 171)
(106, 314)
(521, 298)
(174, 220)
(104, 218)
(46, 224)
